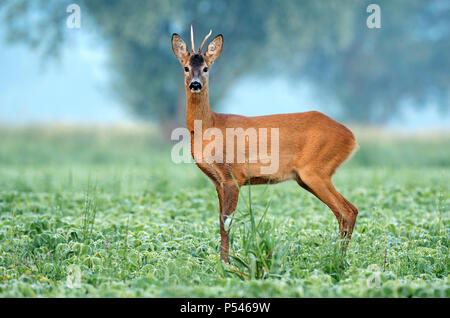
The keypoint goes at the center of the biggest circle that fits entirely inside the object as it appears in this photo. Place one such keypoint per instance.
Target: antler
(204, 41)
(192, 39)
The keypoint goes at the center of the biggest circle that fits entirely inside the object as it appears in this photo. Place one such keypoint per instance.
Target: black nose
(195, 86)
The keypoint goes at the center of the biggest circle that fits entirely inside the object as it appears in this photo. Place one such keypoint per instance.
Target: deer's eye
(205, 69)
(186, 69)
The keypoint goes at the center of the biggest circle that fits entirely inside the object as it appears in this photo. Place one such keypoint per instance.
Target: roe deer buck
(311, 145)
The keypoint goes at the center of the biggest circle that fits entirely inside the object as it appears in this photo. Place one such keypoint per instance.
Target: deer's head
(196, 65)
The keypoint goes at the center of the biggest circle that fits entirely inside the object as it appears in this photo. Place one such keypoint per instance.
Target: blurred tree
(369, 72)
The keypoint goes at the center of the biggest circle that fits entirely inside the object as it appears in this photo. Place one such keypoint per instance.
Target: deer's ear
(179, 47)
(214, 49)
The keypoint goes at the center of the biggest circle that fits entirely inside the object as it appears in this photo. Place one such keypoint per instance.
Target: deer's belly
(245, 169)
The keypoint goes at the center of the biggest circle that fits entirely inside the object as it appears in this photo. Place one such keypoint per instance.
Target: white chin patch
(196, 91)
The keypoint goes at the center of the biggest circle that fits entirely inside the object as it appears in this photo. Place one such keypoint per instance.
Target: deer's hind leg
(320, 185)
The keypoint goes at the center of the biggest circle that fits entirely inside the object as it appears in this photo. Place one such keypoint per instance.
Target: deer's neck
(198, 109)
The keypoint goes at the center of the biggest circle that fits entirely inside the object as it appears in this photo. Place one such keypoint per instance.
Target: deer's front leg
(228, 194)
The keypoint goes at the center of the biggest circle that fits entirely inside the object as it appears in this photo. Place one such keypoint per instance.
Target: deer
(311, 145)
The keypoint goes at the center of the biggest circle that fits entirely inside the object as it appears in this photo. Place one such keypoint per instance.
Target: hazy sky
(76, 89)
(72, 89)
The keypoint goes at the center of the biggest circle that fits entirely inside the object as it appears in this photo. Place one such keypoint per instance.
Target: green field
(103, 212)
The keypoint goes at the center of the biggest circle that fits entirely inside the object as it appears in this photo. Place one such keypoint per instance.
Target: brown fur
(311, 148)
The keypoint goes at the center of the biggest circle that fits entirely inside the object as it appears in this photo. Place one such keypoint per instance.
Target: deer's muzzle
(195, 87)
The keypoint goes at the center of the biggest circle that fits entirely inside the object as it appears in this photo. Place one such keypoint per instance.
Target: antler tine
(192, 39)
(204, 41)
